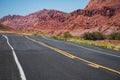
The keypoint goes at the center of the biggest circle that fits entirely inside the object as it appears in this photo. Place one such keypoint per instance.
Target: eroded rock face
(99, 15)
(104, 11)
(95, 4)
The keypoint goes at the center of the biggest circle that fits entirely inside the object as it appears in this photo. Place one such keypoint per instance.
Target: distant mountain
(99, 15)
(12, 21)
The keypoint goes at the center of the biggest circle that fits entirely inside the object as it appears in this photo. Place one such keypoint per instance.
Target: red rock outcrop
(99, 15)
(98, 4)
(5, 28)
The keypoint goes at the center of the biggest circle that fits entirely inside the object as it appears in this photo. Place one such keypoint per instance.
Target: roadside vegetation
(94, 36)
(114, 36)
(41, 34)
(111, 41)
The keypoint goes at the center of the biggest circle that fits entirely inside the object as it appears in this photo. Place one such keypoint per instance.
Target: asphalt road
(48, 59)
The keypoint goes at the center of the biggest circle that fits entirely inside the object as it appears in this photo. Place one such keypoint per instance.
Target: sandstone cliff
(99, 15)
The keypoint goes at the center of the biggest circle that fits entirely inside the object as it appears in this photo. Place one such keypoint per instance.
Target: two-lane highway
(49, 59)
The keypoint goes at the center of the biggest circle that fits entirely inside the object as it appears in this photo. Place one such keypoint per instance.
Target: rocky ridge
(99, 15)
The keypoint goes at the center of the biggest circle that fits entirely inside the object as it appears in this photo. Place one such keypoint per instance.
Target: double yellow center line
(73, 56)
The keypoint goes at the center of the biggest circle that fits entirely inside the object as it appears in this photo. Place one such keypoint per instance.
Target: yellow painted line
(94, 65)
(74, 57)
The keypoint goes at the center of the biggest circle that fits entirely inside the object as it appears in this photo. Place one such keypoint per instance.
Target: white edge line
(16, 60)
(86, 48)
(97, 51)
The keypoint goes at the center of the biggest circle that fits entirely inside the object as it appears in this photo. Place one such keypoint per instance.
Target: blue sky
(25, 7)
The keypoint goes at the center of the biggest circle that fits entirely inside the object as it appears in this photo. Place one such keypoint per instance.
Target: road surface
(40, 58)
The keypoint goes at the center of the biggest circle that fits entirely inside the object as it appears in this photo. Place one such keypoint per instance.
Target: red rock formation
(95, 4)
(5, 28)
(99, 15)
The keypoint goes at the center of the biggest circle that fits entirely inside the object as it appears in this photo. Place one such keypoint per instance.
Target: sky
(25, 7)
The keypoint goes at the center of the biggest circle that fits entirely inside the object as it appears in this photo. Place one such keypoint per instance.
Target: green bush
(55, 37)
(35, 33)
(94, 36)
(67, 35)
(114, 36)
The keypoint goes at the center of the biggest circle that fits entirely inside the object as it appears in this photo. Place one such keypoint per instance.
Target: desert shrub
(94, 36)
(55, 37)
(114, 36)
(35, 33)
(67, 35)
